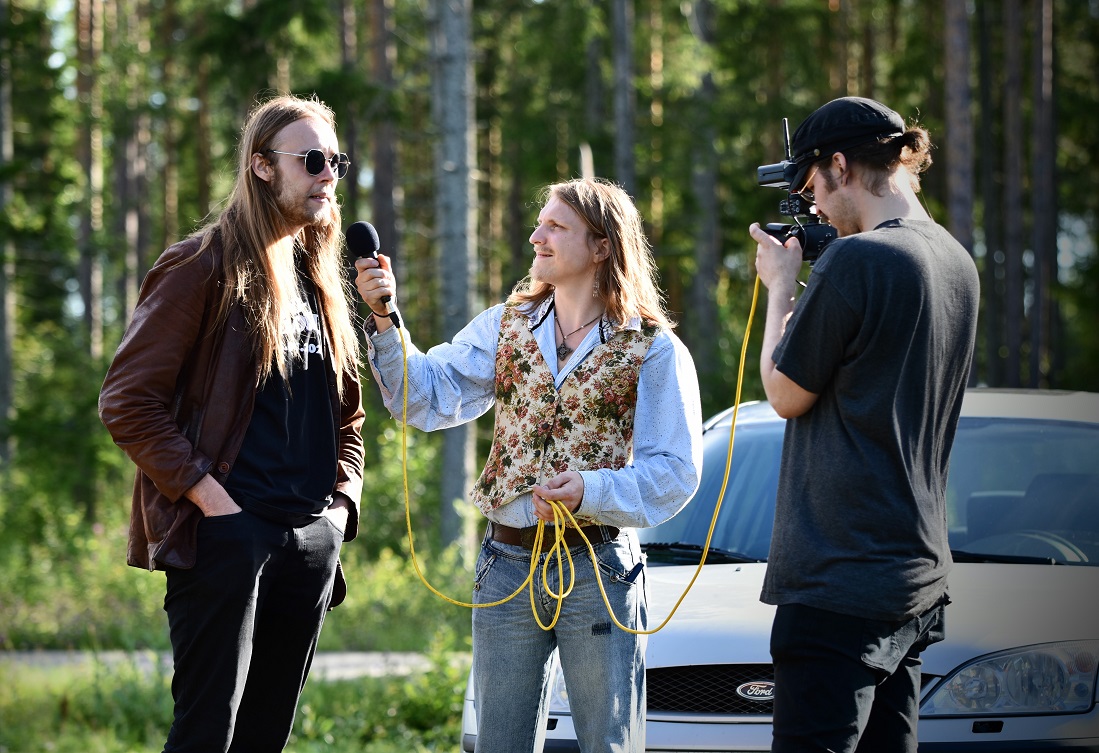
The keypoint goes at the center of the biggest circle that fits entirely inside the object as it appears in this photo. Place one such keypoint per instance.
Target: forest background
(118, 125)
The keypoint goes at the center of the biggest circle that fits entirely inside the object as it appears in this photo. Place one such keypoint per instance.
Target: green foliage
(71, 589)
(64, 582)
(184, 74)
(734, 296)
(101, 707)
(1081, 308)
(395, 455)
(115, 705)
(62, 450)
(419, 714)
(389, 609)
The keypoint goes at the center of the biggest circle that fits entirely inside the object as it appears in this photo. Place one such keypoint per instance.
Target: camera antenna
(786, 137)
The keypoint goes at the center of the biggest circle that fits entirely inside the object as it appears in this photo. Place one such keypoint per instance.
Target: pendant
(563, 351)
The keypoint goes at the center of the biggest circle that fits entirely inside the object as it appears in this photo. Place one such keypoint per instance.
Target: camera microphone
(812, 234)
(362, 242)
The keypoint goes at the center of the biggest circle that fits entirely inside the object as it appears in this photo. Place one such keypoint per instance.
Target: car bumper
(1018, 734)
(1070, 733)
(1088, 745)
(675, 737)
(684, 737)
(1035, 734)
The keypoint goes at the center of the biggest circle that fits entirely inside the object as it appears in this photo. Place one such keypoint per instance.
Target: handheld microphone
(362, 241)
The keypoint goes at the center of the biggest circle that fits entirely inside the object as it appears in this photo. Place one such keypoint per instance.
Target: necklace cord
(559, 553)
(563, 350)
(564, 336)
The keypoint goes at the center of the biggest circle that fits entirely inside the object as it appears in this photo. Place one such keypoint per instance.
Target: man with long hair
(235, 391)
(869, 365)
(597, 408)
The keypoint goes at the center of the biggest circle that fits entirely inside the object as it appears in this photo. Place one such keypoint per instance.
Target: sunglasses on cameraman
(315, 161)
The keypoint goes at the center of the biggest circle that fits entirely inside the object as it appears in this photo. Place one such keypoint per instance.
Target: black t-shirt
(287, 466)
(884, 334)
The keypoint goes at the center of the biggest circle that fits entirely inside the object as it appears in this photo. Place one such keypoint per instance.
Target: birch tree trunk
(170, 171)
(205, 134)
(1013, 192)
(456, 213)
(132, 137)
(868, 52)
(959, 131)
(702, 314)
(707, 241)
(7, 247)
(349, 137)
(384, 131)
(625, 98)
(1043, 197)
(89, 36)
(992, 288)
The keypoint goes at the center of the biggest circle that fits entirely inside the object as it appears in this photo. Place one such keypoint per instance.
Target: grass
(64, 585)
(92, 708)
(90, 600)
(125, 707)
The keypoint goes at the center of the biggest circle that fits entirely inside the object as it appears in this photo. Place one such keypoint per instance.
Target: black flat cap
(838, 125)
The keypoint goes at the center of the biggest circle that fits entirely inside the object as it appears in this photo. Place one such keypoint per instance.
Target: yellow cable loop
(562, 516)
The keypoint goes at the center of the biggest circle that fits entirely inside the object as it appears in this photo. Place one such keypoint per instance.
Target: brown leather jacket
(178, 399)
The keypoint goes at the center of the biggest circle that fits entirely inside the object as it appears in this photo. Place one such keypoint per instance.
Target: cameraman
(869, 365)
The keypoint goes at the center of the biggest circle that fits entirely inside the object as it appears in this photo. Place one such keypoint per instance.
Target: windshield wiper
(960, 555)
(680, 552)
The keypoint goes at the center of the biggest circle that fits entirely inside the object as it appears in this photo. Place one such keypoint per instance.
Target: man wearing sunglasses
(235, 392)
(315, 161)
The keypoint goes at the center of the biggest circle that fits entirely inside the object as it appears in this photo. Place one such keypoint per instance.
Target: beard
(843, 216)
(532, 271)
(297, 210)
(842, 213)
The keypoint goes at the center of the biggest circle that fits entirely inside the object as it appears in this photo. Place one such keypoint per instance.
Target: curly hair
(881, 157)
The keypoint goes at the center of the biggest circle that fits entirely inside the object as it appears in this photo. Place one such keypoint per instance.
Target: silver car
(1017, 671)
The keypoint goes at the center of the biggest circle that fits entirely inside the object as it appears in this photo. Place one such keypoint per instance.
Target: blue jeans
(845, 684)
(604, 666)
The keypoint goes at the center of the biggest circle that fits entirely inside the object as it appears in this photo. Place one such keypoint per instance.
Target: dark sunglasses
(315, 161)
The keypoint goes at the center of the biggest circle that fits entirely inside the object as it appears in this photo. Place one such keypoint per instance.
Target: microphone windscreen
(362, 240)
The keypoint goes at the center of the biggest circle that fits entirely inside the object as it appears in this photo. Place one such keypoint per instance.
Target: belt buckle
(526, 537)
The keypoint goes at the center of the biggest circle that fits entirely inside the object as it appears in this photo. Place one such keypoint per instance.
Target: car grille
(707, 689)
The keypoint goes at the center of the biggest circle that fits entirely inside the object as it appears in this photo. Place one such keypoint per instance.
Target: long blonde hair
(627, 280)
(258, 265)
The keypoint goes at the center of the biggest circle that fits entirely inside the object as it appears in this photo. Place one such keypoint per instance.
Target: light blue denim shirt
(455, 382)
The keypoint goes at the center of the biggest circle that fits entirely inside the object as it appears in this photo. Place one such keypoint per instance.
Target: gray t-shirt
(884, 333)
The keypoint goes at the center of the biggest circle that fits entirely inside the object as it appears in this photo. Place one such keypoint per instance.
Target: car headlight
(1051, 678)
(559, 694)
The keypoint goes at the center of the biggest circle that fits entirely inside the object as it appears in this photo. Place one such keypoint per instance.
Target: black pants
(244, 626)
(845, 684)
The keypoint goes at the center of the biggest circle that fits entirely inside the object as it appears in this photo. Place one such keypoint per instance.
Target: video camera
(812, 234)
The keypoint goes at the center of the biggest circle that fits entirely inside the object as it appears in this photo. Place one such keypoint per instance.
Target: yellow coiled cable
(561, 516)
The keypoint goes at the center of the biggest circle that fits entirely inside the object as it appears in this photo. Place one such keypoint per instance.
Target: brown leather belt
(524, 537)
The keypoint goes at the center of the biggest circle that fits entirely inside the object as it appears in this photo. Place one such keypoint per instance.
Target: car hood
(994, 607)
(721, 620)
(997, 607)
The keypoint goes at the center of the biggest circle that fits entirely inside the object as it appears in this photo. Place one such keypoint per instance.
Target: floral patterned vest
(541, 431)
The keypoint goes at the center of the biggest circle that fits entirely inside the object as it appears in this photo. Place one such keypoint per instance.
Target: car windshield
(748, 509)
(1019, 490)
(1024, 488)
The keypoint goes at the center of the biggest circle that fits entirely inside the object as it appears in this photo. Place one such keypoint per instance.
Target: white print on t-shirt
(305, 331)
